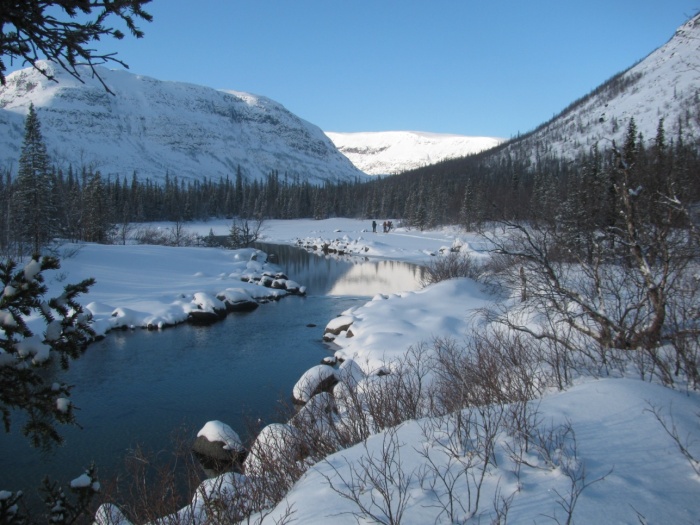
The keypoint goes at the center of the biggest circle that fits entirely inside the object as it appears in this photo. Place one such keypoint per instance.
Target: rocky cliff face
(155, 128)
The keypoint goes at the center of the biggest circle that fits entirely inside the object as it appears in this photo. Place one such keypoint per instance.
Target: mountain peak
(662, 85)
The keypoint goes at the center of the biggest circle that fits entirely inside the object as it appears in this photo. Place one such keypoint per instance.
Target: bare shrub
(157, 484)
(490, 367)
(275, 461)
(622, 286)
(151, 235)
(402, 394)
(452, 265)
(377, 484)
(173, 236)
(459, 452)
(243, 232)
(684, 331)
(230, 498)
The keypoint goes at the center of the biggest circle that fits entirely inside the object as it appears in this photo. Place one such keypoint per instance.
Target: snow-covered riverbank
(607, 453)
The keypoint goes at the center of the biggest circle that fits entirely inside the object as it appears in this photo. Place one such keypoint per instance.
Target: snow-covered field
(613, 460)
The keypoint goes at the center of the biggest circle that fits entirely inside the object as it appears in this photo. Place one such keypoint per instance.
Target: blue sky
(492, 68)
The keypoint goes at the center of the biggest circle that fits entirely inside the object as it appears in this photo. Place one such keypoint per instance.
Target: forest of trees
(45, 202)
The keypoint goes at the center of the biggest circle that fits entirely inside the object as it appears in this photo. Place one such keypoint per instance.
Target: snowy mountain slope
(666, 84)
(390, 152)
(156, 128)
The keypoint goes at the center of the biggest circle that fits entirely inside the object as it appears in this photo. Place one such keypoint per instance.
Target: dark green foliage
(32, 203)
(22, 386)
(64, 31)
(10, 513)
(62, 510)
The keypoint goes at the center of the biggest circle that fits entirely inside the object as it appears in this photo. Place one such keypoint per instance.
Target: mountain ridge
(156, 128)
(664, 84)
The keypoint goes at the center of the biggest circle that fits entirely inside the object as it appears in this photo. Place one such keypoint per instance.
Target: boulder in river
(200, 317)
(320, 378)
(218, 447)
(339, 324)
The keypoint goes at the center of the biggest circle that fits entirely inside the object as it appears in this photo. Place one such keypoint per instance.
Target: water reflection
(345, 276)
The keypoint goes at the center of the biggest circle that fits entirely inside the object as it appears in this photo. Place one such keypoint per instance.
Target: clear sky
(492, 68)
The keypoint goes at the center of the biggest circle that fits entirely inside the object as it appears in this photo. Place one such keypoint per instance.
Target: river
(139, 388)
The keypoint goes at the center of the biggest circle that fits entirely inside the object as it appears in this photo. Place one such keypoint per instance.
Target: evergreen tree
(33, 207)
(466, 211)
(22, 385)
(6, 193)
(97, 215)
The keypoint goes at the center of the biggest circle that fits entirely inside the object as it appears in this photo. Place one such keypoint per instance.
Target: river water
(137, 388)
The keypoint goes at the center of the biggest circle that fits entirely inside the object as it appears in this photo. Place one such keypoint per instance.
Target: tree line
(45, 202)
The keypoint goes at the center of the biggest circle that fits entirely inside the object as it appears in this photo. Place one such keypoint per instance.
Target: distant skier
(374, 226)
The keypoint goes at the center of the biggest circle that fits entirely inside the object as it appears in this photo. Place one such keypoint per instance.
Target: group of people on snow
(387, 225)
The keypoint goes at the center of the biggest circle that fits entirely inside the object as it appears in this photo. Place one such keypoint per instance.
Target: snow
(155, 286)
(390, 152)
(634, 470)
(63, 404)
(218, 431)
(619, 442)
(310, 381)
(31, 269)
(6, 319)
(82, 481)
(153, 127)
(663, 85)
(384, 328)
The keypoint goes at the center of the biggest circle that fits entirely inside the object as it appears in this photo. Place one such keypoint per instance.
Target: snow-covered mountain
(155, 128)
(666, 84)
(390, 152)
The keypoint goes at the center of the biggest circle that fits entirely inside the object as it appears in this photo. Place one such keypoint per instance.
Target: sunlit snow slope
(155, 128)
(391, 152)
(664, 85)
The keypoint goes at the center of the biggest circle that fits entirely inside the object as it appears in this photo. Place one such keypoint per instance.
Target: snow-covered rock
(236, 300)
(218, 432)
(218, 446)
(317, 379)
(339, 324)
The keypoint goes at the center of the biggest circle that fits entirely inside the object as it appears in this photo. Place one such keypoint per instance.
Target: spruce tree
(33, 207)
(23, 387)
(96, 212)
